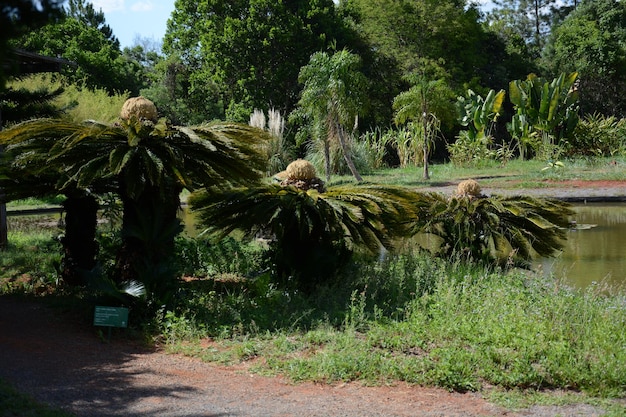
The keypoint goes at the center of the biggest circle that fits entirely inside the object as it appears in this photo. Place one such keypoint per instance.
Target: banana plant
(548, 108)
(479, 114)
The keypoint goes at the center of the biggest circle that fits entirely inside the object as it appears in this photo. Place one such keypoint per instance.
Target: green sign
(110, 316)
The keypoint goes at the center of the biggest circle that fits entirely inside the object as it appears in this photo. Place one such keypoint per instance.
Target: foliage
(18, 17)
(599, 136)
(426, 104)
(332, 96)
(452, 326)
(495, 229)
(546, 112)
(250, 50)
(76, 104)
(22, 104)
(377, 144)
(311, 234)
(411, 33)
(278, 150)
(525, 23)
(83, 38)
(147, 164)
(479, 115)
(590, 41)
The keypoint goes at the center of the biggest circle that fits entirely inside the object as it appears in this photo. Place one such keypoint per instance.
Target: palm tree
(496, 229)
(421, 104)
(25, 172)
(312, 233)
(148, 162)
(333, 94)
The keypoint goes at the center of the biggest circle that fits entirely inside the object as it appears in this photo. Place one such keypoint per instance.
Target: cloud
(108, 6)
(142, 6)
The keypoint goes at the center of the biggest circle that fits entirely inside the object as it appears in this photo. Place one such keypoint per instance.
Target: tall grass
(78, 104)
(421, 320)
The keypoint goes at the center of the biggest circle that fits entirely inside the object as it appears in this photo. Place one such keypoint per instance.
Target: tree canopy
(251, 51)
(591, 42)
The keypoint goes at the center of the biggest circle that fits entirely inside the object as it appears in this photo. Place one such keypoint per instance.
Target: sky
(130, 19)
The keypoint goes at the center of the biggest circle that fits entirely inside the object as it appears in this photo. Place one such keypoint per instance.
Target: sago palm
(148, 162)
(311, 232)
(496, 229)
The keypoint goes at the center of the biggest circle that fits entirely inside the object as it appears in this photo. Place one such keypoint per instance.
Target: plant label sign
(110, 316)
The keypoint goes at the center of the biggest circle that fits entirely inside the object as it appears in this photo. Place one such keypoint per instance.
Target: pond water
(596, 254)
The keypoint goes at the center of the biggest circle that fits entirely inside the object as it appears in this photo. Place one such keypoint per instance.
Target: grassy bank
(515, 174)
(419, 320)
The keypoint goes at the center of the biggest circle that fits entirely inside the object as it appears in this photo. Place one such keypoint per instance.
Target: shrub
(598, 135)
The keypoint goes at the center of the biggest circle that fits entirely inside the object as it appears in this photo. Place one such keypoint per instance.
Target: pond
(596, 254)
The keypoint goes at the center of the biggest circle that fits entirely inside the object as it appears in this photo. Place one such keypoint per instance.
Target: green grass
(424, 321)
(515, 174)
(13, 403)
(28, 264)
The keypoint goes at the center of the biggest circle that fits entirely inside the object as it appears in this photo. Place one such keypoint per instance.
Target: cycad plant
(148, 162)
(312, 230)
(496, 229)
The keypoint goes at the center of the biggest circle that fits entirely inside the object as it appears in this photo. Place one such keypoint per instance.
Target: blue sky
(130, 19)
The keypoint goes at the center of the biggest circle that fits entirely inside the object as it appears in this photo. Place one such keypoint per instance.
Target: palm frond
(497, 227)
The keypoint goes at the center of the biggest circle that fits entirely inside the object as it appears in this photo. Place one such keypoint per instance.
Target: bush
(598, 135)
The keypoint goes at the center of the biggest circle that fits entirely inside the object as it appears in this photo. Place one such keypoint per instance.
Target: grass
(516, 174)
(13, 403)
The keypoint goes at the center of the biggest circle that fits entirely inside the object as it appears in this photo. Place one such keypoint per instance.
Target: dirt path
(65, 364)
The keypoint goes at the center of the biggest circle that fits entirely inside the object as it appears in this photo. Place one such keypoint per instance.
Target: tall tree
(333, 94)
(413, 32)
(591, 41)
(526, 24)
(425, 104)
(251, 49)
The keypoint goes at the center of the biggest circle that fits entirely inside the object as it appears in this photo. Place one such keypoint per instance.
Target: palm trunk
(346, 152)
(79, 242)
(149, 227)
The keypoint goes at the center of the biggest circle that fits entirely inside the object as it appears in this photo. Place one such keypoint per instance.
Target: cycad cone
(468, 188)
(139, 107)
(300, 169)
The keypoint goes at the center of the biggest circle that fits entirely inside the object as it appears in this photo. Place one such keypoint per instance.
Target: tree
(414, 32)
(591, 42)
(425, 104)
(332, 95)
(252, 50)
(525, 23)
(502, 230)
(312, 231)
(84, 38)
(148, 162)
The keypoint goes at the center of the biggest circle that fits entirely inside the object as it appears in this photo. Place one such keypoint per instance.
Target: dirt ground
(64, 362)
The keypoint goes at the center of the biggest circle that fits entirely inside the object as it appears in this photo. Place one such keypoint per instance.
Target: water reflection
(595, 254)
